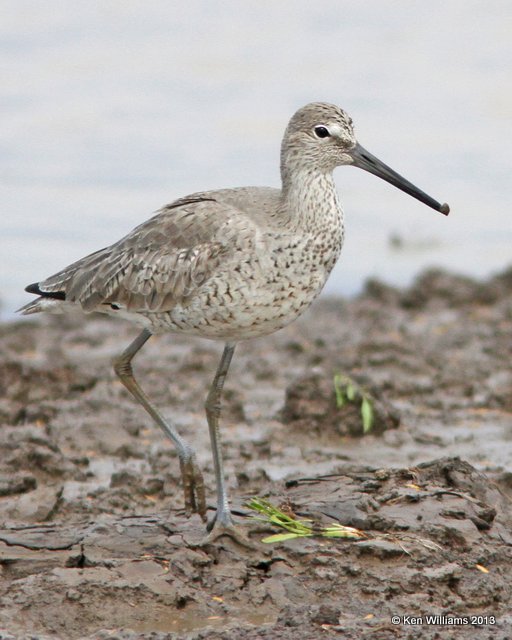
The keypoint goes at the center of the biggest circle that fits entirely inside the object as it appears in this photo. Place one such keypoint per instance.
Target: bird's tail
(51, 301)
(41, 304)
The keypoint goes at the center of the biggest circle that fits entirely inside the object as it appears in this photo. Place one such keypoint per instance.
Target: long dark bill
(365, 160)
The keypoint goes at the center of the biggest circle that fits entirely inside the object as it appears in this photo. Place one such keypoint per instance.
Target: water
(110, 110)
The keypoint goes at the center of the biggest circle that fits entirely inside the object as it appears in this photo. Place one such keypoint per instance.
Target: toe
(230, 530)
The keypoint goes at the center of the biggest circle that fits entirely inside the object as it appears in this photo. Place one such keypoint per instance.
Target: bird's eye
(322, 132)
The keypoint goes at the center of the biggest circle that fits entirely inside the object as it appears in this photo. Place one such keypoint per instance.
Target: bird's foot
(236, 534)
(193, 487)
(224, 526)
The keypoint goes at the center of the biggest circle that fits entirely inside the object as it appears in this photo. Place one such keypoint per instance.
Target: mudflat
(94, 542)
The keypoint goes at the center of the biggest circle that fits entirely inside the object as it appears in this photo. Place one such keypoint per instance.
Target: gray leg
(213, 407)
(223, 521)
(193, 484)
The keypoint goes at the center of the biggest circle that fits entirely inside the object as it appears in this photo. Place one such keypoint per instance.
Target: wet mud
(94, 542)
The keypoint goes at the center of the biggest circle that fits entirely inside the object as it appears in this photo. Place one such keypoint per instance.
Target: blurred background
(111, 109)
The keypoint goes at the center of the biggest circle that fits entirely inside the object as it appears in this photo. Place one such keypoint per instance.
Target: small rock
(327, 614)
(73, 595)
(444, 573)
(380, 548)
(17, 484)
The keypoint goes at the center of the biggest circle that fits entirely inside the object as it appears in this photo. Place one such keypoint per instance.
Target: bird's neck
(310, 199)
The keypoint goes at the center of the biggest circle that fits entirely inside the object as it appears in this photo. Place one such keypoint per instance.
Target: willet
(228, 265)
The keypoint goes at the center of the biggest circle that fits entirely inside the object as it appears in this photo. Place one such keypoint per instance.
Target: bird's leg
(223, 523)
(193, 484)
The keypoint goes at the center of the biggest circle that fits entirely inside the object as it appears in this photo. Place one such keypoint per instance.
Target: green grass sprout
(367, 414)
(346, 390)
(297, 528)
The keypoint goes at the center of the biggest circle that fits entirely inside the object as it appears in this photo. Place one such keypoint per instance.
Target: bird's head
(320, 137)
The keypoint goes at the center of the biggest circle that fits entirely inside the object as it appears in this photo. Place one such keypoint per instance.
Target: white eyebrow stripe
(335, 130)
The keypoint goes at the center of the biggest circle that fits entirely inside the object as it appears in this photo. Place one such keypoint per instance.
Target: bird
(228, 265)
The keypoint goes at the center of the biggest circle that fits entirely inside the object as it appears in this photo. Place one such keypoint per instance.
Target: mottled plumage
(228, 265)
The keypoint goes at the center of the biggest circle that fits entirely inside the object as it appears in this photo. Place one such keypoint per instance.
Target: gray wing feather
(160, 263)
